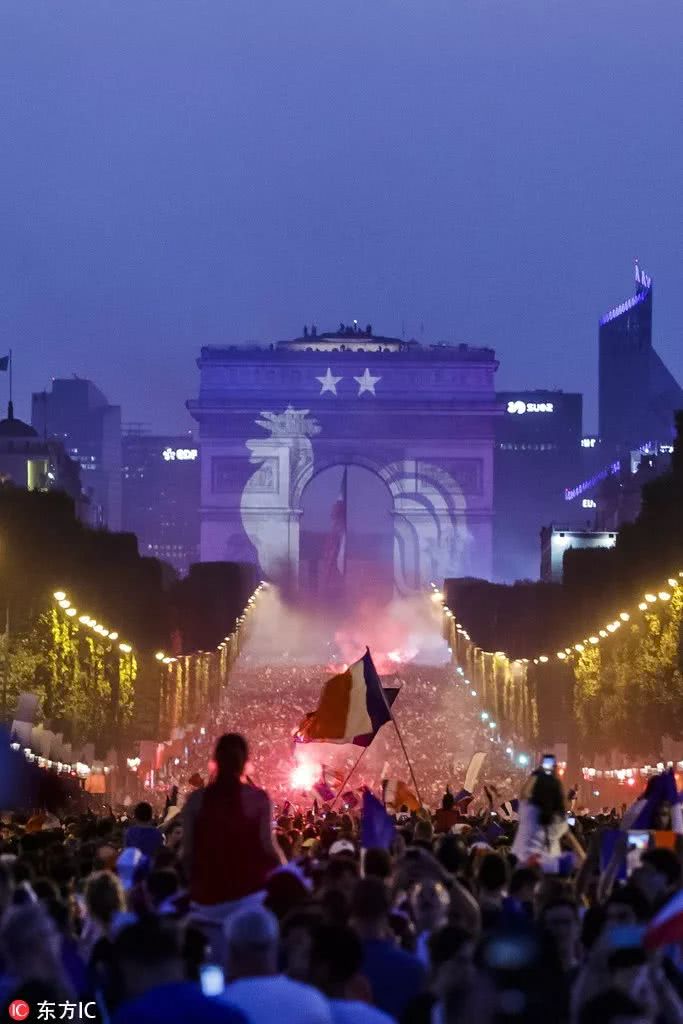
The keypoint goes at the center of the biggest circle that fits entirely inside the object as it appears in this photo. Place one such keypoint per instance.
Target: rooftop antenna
(10, 407)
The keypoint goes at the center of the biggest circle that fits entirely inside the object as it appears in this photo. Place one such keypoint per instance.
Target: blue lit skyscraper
(638, 394)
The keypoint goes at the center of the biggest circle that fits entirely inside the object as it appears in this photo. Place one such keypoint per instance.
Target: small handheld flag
(397, 794)
(509, 809)
(660, 789)
(666, 927)
(324, 791)
(376, 828)
(474, 771)
(462, 800)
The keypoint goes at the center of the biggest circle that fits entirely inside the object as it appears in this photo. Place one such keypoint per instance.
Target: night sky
(186, 172)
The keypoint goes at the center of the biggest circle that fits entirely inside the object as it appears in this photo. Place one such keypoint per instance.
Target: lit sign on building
(180, 454)
(519, 407)
(589, 442)
(573, 492)
(589, 503)
(623, 307)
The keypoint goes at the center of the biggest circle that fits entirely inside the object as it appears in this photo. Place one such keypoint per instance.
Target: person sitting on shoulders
(228, 845)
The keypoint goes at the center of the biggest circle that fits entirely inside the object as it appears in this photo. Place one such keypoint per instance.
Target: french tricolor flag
(660, 789)
(352, 708)
(666, 927)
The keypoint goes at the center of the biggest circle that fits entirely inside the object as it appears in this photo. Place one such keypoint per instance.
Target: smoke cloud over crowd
(288, 655)
(407, 630)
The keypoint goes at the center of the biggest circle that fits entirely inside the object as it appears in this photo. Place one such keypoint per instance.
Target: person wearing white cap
(342, 846)
(256, 988)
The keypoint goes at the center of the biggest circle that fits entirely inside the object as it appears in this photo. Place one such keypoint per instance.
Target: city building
(538, 451)
(160, 487)
(612, 493)
(638, 395)
(31, 462)
(348, 462)
(76, 413)
(557, 540)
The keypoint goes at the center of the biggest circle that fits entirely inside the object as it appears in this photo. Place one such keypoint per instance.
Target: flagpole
(345, 782)
(405, 754)
(346, 521)
(400, 740)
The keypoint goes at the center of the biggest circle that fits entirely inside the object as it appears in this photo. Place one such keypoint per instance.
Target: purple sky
(181, 172)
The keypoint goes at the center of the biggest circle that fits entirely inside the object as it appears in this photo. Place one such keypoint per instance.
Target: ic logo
(19, 1010)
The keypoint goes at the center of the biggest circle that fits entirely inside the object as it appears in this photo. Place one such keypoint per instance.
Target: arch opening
(347, 536)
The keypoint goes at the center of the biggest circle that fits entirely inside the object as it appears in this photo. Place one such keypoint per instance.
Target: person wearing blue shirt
(143, 833)
(336, 964)
(147, 956)
(395, 976)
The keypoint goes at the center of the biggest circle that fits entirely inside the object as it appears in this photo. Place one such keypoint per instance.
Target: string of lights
(630, 775)
(649, 600)
(90, 623)
(64, 603)
(645, 605)
(519, 758)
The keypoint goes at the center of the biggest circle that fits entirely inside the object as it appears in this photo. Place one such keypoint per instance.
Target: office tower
(537, 456)
(161, 487)
(76, 413)
(638, 394)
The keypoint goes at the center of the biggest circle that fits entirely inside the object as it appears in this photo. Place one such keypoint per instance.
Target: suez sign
(180, 454)
(519, 408)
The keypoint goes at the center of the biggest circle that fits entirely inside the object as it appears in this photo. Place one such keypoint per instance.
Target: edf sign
(179, 454)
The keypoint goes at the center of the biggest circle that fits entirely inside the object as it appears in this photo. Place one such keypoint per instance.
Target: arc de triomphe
(421, 417)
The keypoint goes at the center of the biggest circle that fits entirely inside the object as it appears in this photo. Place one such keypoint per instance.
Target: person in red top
(228, 846)
(447, 816)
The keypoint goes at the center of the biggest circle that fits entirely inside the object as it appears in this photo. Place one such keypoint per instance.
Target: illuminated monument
(348, 457)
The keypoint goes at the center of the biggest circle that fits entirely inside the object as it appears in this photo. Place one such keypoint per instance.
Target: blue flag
(660, 789)
(376, 827)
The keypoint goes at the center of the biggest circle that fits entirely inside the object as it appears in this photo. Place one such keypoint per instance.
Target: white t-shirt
(535, 840)
(277, 1000)
(348, 1011)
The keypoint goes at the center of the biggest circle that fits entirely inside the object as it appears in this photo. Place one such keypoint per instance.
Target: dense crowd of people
(432, 702)
(223, 910)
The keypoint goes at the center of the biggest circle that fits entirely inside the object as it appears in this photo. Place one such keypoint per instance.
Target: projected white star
(329, 382)
(366, 382)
